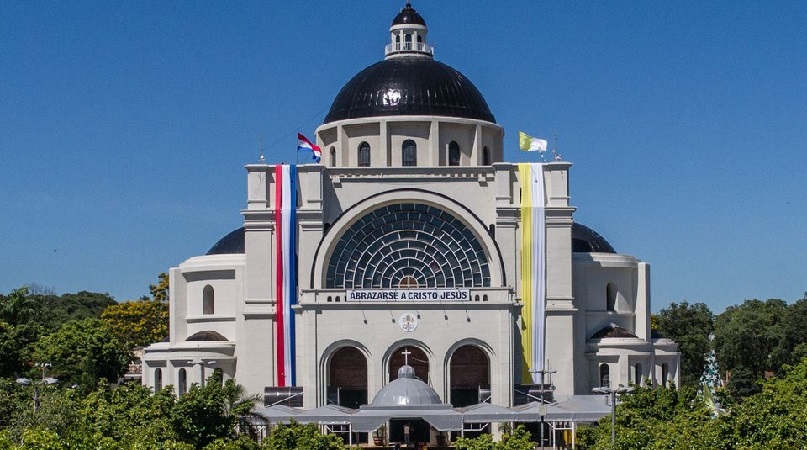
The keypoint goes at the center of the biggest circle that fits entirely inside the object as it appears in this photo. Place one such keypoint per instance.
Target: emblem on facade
(408, 322)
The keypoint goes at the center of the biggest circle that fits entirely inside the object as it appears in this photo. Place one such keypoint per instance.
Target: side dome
(232, 243)
(586, 240)
(412, 86)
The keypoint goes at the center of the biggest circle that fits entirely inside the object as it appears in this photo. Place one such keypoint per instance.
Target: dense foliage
(87, 339)
(656, 419)
(689, 326)
(752, 340)
(138, 323)
(519, 439)
(82, 352)
(133, 417)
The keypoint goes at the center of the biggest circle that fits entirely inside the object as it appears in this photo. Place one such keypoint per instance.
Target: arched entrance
(347, 378)
(416, 357)
(470, 373)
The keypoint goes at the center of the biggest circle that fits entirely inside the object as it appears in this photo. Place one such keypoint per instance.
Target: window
(664, 370)
(364, 154)
(408, 283)
(605, 376)
(485, 156)
(182, 382)
(410, 153)
(333, 156)
(207, 300)
(610, 297)
(158, 379)
(407, 42)
(398, 241)
(637, 374)
(453, 154)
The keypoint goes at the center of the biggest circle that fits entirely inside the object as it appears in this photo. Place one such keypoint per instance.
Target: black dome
(232, 243)
(411, 86)
(613, 331)
(586, 240)
(408, 15)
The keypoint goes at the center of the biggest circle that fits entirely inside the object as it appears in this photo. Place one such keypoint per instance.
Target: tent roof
(575, 408)
(277, 413)
(486, 412)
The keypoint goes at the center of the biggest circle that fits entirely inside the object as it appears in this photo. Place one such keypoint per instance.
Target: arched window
(637, 374)
(158, 379)
(453, 154)
(407, 42)
(182, 382)
(333, 156)
(364, 154)
(610, 297)
(385, 246)
(664, 370)
(485, 156)
(208, 300)
(410, 153)
(605, 375)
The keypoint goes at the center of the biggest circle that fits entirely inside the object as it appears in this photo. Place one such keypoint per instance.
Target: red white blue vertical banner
(286, 270)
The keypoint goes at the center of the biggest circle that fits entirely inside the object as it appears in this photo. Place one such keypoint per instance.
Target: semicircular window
(408, 245)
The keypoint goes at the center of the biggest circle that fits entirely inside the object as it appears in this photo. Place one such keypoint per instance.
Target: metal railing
(419, 47)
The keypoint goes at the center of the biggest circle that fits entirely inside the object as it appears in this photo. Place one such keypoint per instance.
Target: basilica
(412, 243)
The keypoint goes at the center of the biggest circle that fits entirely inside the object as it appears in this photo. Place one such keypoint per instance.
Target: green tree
(16, 346)
(210, 412)
(296, 435)
(159, 291)
(749, 340)
(776, 418)
(18, 307)
(130, 413)
(56, 410)
(55, 310)
(689, 325)
(138, 323)
(795, 332)
(519, 439)
(654, 419)
(84, 352)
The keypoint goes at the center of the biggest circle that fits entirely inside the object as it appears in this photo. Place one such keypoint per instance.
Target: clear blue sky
(125, 126)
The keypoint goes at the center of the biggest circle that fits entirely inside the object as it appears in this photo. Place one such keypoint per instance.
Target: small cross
(406, 354)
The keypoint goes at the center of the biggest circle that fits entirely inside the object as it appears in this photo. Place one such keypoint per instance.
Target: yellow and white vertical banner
(533, 268)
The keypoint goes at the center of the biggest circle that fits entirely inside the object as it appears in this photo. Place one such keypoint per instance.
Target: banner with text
(407, 295)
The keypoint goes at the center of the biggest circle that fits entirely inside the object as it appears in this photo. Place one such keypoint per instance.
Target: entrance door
(409, 431)
(470, 372)
(347, 380)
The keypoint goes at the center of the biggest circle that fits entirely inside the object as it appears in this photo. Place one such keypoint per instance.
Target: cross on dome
(406, 354)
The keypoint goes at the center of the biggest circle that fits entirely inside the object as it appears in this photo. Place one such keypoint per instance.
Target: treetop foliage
(656, 419)
(138, 322)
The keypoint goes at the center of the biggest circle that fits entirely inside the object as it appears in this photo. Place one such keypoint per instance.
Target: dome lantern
(408, 35)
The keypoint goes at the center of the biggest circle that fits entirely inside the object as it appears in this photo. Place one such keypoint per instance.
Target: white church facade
(411, 235)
